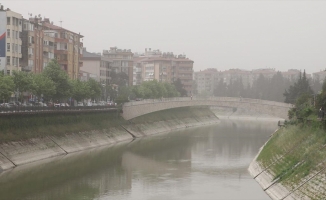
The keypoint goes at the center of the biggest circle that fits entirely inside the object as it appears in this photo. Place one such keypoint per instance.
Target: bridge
(137, 108)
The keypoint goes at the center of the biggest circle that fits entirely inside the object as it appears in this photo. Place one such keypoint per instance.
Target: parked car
(5, 105)
(80, 104)
(56, 105)
(64, 105)
(40, 104)
(12, 104)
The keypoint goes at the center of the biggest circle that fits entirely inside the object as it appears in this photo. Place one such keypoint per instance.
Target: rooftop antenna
(61, 23)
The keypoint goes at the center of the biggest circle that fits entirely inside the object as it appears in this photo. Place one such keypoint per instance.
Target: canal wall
(291, 164)
(19, 152)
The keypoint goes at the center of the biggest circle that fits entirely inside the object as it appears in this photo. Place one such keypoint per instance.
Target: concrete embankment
(19, 152)
(291, 165)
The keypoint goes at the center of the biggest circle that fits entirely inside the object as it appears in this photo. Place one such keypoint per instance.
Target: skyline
(214, 34)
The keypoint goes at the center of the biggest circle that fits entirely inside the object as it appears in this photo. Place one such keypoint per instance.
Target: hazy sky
(215, 34)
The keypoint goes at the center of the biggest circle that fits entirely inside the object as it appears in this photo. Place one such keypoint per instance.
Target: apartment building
(319, 76)
(163, 67)
(13, 41)
(122, 61)
(182, 68)
(37, 45)
(98, 65)
(68, 48)
(207, 80)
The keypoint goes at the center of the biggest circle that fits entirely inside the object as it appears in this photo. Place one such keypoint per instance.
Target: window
(8, 60)
(8, 20)
(17, 34)
(8, 33)
(30, 62)
(8, 47)
(13, 34)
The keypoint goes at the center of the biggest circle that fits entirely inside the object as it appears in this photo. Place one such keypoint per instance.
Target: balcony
(63, 51)
(27, 68)
(63, 62)
(48, 48)
(61, 40)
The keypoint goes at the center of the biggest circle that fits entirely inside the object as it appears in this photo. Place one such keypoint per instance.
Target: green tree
(299, 88)
(7, 86)
(95, 89)
(180, 87)
(80, 90)
(43, 85)
(23, 82)
(60, 78)
(121, 79)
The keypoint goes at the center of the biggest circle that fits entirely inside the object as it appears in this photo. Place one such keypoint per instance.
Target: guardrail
(229, 99)
(39, 109)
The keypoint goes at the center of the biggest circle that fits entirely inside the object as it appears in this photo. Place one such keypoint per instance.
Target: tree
(299, 88)
(23, 82)
(43, 85)
(60, 78)
(94, 88)
(80, 90)
(7, 86)
(180, 88)
(121, 79)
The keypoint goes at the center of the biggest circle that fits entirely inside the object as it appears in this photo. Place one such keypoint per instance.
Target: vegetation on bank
(14, 128)
(297, 152)
(53, 84)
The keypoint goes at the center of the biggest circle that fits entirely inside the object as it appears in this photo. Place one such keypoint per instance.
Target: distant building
(292, 74)
(207, 80)
(122, 61)
(97, 64)
(320, 76)
(163, 67)
(85, 76)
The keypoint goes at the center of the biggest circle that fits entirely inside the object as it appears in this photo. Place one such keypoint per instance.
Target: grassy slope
(294, 154)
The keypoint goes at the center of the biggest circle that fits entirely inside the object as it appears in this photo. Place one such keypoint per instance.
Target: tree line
(54, 84)
(276, 88)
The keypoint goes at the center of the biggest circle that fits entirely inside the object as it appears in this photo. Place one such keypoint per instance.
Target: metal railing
(31, 109)
(221, 99)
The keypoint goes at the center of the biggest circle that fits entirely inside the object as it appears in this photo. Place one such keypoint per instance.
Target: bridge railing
(225, 99)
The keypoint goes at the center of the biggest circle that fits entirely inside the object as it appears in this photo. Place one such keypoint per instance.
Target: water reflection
(200, 163)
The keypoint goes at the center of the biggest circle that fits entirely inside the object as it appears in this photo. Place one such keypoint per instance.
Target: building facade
(163, 67)
(122, 61)
(37, 45)
(68, 47)
(98, 65)
(13, 41)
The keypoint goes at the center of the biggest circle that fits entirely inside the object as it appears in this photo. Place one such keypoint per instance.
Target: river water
(203, 163)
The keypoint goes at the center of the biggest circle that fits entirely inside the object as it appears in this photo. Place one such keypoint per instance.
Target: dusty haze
(215, 34)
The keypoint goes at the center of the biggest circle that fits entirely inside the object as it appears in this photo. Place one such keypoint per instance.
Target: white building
(13, 41)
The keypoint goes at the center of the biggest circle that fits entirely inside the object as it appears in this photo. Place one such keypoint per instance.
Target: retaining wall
(21, 152)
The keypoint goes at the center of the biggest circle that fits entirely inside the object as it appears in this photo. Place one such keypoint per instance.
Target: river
(191, 164)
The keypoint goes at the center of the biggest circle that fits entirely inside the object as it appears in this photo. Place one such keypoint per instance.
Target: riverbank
(41, 137)
(291, 165)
